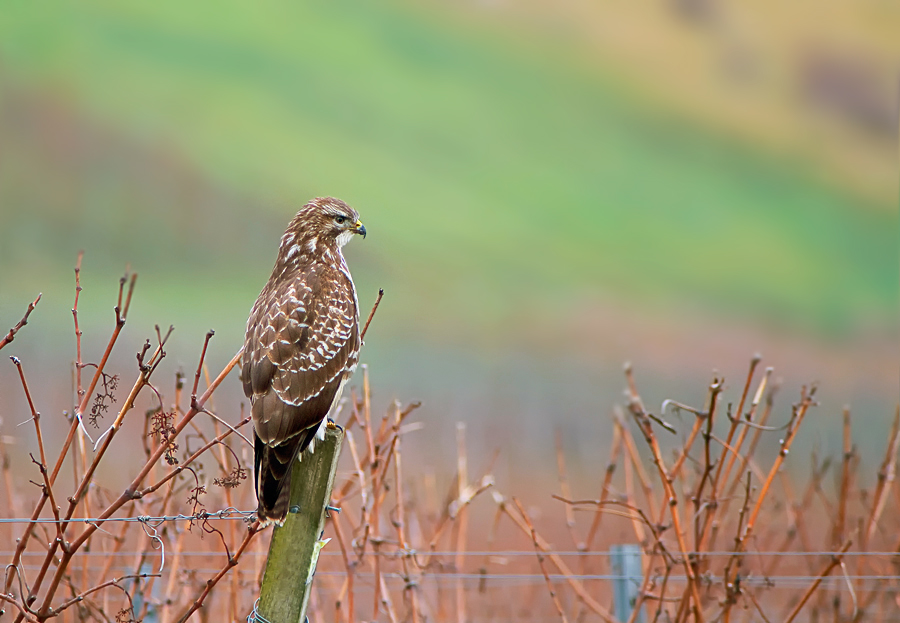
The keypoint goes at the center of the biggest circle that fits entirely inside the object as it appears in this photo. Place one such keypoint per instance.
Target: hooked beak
(359, 228)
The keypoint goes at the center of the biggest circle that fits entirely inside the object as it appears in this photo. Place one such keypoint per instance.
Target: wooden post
(294, 550)
(626, 567)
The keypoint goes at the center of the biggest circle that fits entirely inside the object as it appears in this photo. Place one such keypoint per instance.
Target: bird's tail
(272, 474)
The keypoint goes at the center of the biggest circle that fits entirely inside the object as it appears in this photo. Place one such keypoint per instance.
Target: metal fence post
(625, 561)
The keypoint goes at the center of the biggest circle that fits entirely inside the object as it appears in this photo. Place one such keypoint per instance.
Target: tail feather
(272, 475)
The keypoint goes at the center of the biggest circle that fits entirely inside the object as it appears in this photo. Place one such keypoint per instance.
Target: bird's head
(323, 221)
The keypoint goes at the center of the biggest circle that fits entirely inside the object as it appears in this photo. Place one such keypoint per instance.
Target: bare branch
(362, 335)
(9, 337)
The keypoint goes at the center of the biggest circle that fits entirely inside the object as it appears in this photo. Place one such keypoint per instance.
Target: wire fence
(150, 523)
(509, 554)
(225, 513)
(772, 582)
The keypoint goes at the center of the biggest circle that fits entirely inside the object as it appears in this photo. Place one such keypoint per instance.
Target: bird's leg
(333, 425)
(334, 509)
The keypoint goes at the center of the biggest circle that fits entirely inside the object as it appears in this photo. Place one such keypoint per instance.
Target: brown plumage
(302, 345)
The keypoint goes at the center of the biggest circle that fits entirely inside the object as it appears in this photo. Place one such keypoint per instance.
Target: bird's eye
(340, 220)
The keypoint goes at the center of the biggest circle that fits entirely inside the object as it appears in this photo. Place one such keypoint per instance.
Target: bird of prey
(302, 345)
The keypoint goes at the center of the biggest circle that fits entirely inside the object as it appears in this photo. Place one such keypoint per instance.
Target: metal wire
(225, 513)
(255, 616)
(493, 553)
(233, 513)
(150, 524)
(772, 581)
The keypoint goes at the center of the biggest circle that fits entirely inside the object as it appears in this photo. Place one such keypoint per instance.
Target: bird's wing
(302, 340)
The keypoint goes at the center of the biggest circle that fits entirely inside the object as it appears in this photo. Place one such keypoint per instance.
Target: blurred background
(550, 189)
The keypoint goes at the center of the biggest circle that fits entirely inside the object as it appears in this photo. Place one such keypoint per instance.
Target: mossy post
(295, 546)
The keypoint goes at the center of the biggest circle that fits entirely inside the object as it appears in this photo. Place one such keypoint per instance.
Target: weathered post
(626, 567)
(295, 546)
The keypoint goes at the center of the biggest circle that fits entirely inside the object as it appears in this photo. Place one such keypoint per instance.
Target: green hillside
(493, 170)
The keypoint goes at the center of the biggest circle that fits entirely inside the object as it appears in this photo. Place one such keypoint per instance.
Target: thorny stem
(120, 323)
(835, 561)
(362, 334)
(738, 417)
(700, 537)
(461, 526)
(564, 486)
(23, 612)
(579, 590)
(211, 583)
(732, 589)
(349, 566)
(757, 433)
(410, 588)
(540, 557)
(75, 499)
(635, 513)
(805, 403)
(183, 465)
(637, 409)
(846, 459)
(748, 424)
(886, 475)
(676, 466)
(9, 337)
(114, 582)
(35, 416)
(799, 412)
(78, 332)
(209, 336)
(128, 494)
(632, 453)
(615, 448)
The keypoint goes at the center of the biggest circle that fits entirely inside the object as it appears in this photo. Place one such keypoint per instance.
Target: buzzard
(302, 345)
